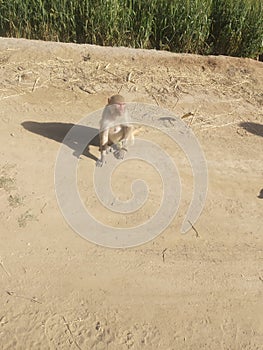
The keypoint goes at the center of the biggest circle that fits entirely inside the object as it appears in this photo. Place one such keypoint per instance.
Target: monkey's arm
(104, 139)
(127, 138)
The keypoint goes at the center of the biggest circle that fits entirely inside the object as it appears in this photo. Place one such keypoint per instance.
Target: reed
(237, 27)
(228, 27)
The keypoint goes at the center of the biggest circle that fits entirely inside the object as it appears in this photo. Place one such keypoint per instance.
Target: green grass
(228, 27)
(237, 27)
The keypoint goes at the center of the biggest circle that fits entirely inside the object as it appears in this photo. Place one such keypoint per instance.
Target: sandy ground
(201, 290)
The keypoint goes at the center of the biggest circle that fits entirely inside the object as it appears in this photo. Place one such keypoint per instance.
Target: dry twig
(44, 206)
(157, 102)
(33, 299)
(67, 325)
(3, 267)
(186, 115)
(35, 83)
(163, 255)
(196, 232)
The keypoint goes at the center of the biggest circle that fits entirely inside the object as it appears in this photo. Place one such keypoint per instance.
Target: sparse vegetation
(15, 200)
(229, 27)
(6, 182)
(25, 217)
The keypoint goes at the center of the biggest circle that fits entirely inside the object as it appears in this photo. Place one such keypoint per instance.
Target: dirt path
(200, 290)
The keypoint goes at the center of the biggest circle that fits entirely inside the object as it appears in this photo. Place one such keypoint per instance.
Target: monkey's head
(119, 103)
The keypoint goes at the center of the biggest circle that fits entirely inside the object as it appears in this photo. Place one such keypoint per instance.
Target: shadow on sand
(253, 128)
(57, 132)
(256, 129)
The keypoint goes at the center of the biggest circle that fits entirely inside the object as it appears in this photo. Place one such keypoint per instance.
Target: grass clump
(15, 200)
(25, 217)
(7, 183)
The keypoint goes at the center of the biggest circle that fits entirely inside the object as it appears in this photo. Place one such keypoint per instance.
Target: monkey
(115, 132)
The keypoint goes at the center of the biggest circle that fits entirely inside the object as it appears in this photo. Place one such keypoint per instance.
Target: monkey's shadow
(58, 131)
(253, 128)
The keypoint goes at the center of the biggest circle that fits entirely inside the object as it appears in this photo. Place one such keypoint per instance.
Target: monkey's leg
(127, 137)
(103, 148)
(100, 162)
(116, 139)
